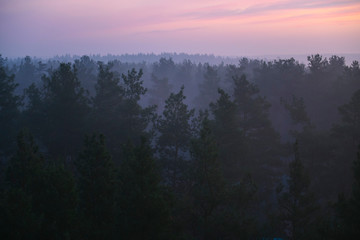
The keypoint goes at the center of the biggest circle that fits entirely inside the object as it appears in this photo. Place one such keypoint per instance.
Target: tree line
(93, 150)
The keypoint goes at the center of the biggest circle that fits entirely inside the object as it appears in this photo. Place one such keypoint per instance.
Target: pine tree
(252, 114)
(354, 214)
(9, 111)
(297, 110)
(248, 142)
(107, 106)
(347, 222)
(208, 186)
(65, 107)
(143, 201)
(19, 219)
(350, 114)
(40, 200)
(58, 202)
(133, 85)
(208, 88)
(296, 202)
(346, 136)
(175, 134)
(34, 112)
(135, 118)
(159, 92)
(97, 189)
(116, 109)
(27, 74)
(228, 134)
(27, 165)
(86, 71)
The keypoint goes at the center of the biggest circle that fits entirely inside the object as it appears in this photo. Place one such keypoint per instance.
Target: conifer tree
(248, 142)
(40, 199)
(228, 134)
(297, 110)
(159, 92)
(87, 71)
(19, 219)
(261, 140)
(27, 74)
(107, 106)
(208, 88)
(208, 188)
(135, 118)
(97, 189)
(65, 107)
(116, 109)
(296, 202)
(9, 110)
(350, 114)
(143, 200)
(34, 112)
(346, 136)
(347, 222)
(175, 134)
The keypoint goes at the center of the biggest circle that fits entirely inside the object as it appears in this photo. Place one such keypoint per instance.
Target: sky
(45, 28)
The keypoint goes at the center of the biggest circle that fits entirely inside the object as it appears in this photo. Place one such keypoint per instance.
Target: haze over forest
(180, 119)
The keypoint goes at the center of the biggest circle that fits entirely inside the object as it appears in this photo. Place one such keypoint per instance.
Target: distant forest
(207, 148)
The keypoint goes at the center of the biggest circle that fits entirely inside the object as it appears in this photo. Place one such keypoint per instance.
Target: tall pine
(97, 189)
(144, 202)
(296, 201)
(175, 132)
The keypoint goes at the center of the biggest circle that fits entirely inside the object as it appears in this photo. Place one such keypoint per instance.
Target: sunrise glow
(47, 28)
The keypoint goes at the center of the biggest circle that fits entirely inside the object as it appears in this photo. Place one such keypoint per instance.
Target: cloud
(263, 8)
(139, 24)
(175, 30)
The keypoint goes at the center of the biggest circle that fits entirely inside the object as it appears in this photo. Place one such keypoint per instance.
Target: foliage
(229, 135)
(208, 88)
(40, 199)
(160, 91)
(195, 183)
(9, 109)
(97, 189)
(296, 203)
(143, 200)
(350, 114)
(241, 123)
(347, 211)
(208, 187)
(175, 134)
(65, 106)
(297, 110)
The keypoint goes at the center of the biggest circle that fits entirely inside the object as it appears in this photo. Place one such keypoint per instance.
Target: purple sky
(46, 28)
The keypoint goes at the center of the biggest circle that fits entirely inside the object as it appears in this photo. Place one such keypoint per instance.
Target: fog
(180, 146)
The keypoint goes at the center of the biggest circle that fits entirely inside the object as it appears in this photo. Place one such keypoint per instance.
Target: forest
(164, 149)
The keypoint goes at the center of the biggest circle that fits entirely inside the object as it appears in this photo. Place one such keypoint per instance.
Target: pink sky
(229, 28)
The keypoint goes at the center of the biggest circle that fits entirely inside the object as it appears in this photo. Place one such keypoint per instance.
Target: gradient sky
(46, 28)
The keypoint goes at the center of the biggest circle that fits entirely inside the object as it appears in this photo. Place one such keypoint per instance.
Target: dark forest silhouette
(179, 150)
